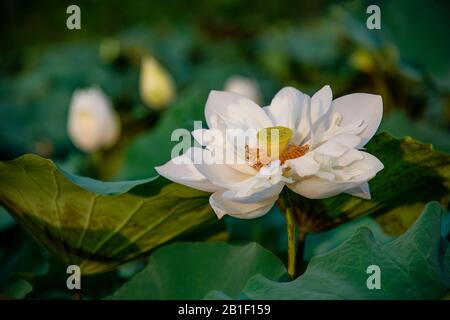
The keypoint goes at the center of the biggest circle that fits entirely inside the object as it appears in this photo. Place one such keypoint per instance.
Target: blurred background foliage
(306, 44)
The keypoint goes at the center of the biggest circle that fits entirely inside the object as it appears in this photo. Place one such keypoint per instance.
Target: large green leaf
(413, 175)
(98, 225)
(18, 288)
(415, 265)
(6, 221)
(192, 270)
(323, 242)
(399, 125)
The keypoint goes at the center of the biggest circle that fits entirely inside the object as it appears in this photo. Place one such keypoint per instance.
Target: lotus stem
(77, 294)
(291, 242)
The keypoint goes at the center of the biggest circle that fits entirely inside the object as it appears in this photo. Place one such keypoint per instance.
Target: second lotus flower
(319, 150)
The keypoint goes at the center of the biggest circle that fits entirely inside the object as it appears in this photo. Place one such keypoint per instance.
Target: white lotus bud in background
(156, 84)
(246, 87)
(93, 124)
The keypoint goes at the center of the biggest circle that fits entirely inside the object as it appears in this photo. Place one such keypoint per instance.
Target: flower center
(293, 151)
(274, 143)
(274, 140)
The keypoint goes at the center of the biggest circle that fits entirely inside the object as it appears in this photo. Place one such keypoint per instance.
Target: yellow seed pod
(274, 140)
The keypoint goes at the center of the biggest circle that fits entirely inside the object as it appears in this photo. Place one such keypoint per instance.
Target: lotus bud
(93, 124)
(244, 86)
(156, 84)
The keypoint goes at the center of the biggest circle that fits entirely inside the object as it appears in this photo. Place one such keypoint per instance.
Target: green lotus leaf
(17, 288)
(413, 175)
(415, 265)
(98, 225)
(399, 125)
(192, 270)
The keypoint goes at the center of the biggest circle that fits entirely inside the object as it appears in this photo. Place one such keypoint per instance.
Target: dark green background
(306, 44)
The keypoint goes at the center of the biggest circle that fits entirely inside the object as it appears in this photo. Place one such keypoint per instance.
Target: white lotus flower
(319, 155)
(157, 87)
(244, 86)
(93, 123)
